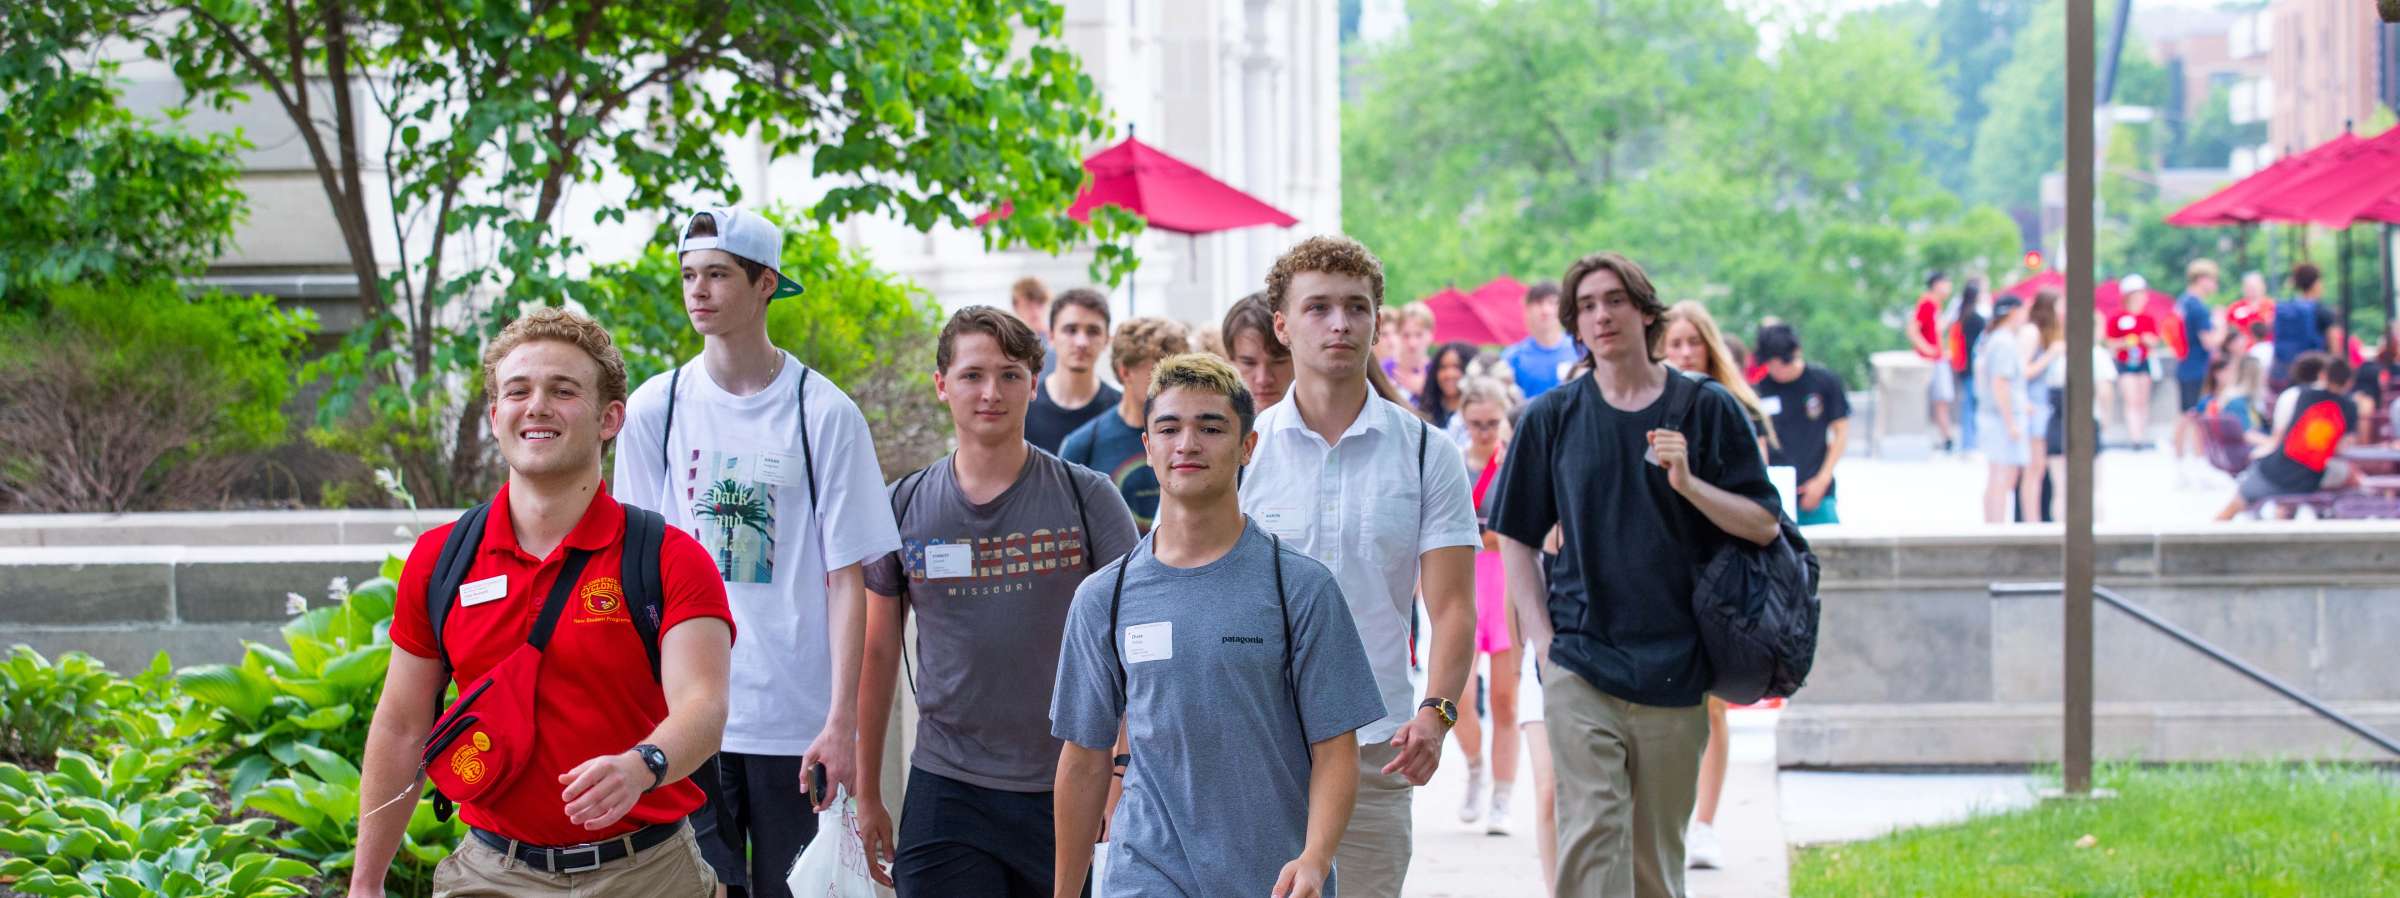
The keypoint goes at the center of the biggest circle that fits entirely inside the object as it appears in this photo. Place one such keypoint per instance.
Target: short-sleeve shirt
(2193, 349)
(2129, 332)
(1047, 423)
(1803, 410)
(990, 585)
(1368, 507)
(1114, 448)
(1216, 798)
(1927, 321)
(2001, 363)
(1621, 586)
(736, 477)
(1539, 368)
(594, 694)
(2245, 312)
(2319, 422)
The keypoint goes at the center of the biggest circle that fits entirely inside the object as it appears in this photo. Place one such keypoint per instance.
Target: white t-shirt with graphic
(734, 475)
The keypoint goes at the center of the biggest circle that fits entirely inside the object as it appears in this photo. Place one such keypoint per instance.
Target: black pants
(959, 840)
(2187, 393)
(755, 823)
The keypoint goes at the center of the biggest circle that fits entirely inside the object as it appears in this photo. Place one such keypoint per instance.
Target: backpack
(1283, 606)
(808, 454)
(1756, 605)
(645, 594)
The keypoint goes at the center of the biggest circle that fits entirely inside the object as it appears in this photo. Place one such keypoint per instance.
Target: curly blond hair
(572, 328)
(1331, 254)
(1140, 341)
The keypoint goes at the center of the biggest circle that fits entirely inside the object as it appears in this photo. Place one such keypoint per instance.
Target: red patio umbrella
(1457, 319)
(2236, 203)
(1501, 302)
(2359, 183)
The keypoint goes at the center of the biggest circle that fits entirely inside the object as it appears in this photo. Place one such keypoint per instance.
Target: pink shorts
(1492, 635)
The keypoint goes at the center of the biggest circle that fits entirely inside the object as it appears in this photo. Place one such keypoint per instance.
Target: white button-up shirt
(1367, 510)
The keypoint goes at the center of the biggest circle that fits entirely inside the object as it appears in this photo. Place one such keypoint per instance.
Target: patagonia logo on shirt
(1243, 640)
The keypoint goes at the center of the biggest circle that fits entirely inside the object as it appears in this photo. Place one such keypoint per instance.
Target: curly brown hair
(572, 328)
(1140, 341)
(1331, 254)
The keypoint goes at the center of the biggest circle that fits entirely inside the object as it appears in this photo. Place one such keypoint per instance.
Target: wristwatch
(1444, 707)
(654, 758)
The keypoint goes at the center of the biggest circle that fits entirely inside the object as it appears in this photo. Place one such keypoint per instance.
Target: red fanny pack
(487, 736)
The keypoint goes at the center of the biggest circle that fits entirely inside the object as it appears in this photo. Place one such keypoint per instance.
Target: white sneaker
(1496, 824)
(1700, 848)
(1472, 809)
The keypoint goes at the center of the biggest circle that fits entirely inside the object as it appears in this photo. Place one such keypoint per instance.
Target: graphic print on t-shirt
(2315, 435)
(994, 565)
(733, 499)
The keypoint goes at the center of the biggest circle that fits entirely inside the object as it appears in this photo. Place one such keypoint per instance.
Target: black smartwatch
(656, 759)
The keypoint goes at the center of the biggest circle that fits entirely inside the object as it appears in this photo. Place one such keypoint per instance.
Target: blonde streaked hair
(1720, 367)
(1208, 374)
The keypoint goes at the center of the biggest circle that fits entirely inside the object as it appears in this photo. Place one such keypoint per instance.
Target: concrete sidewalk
(1457, 860)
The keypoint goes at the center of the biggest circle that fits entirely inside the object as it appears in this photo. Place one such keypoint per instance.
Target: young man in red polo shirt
(597, 806)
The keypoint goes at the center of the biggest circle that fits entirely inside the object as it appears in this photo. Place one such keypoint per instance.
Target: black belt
(580, 858)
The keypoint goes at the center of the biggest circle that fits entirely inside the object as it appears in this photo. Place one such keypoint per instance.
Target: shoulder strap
(666, 434)
(915, 481)
(556, 602)
(1116, 597)
(644, 585)
(808, 454)
(1291, 670)
(1679, 401)
(1091, 561)
(449, 573)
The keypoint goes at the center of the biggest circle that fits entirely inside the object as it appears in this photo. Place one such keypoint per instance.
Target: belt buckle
(559, 854)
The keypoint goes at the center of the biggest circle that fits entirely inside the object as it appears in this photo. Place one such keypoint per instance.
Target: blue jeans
(1825, 514)
(1965, 415)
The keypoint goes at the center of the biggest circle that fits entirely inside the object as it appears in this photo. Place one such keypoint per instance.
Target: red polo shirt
(595, 695)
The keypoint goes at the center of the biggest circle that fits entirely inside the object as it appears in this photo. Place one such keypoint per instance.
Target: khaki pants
(1627, 777)
(668, 869)
(1372, 861)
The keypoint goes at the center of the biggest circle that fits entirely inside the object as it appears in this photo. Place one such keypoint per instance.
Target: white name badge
(776, 468)
(1772, 405)
(1284, 522)
(1150, 642)
(949, 561)
(482, 591)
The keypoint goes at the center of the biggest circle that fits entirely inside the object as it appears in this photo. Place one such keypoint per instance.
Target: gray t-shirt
(990, 585)
(1216, 799)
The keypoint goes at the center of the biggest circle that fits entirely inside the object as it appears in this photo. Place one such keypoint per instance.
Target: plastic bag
(835, 863)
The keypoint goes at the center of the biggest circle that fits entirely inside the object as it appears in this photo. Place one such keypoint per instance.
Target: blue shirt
(2196, 329)
(2295, 332)
(1538, 367)
(1108, 445)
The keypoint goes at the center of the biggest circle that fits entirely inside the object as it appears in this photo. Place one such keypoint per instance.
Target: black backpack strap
(908, 497)
(1091, 561)
(1116, 597)
(644, 585)
(449, 573)
(1424, 433)
(1291, 670)
(808, 454)
(556, 603)
(666, 434)
(1679, 401)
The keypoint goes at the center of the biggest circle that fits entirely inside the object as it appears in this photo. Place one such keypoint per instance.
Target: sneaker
(1700, 848)
(1496, 823)
(1472, 809)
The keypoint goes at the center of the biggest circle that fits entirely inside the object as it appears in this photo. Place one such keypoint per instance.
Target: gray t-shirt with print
(1216, 798)
(990, 585)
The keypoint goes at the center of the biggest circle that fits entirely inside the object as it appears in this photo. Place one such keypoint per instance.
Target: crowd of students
(1177, 615)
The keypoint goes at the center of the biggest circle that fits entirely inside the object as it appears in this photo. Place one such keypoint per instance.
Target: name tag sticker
(776, 468)
(1279, 521)
(1150, 642)
(1772, 405)
(482, 591)
(949, 561)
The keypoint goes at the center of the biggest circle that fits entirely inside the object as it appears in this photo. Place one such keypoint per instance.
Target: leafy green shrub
(137, 397)
(142, 824)
(318, 691)
(45, 707)
(321, 804)
(866, 331)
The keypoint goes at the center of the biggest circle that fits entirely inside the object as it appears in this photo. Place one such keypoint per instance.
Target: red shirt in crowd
(2130, 332)
(2245, 312)
(595, 695)
(1928, 324)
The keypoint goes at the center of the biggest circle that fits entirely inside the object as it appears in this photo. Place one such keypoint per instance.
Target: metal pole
(2076, 754)
(2343, 351)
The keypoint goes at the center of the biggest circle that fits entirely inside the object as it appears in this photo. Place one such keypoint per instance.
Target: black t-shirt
(1047, 425)
(1621, 588)
(2319, 422)
(1970, 327)
(1803, 410)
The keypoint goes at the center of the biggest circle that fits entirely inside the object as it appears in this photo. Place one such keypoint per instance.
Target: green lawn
(2193, 832)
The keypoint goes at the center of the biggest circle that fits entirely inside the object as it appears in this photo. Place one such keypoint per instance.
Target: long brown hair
(2045, 316)
(1720, 363)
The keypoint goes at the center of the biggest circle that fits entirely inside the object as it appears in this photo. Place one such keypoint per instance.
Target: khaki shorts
(670, 869)
(1372, 860)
